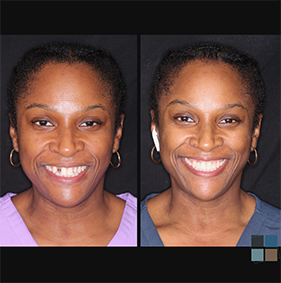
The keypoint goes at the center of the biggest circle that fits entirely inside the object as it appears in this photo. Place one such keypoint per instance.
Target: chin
(203, 188)
(203, 193)
(68, 198)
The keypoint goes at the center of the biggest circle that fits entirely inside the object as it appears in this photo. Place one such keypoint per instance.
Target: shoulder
(149, 234)
(269, 213)
(130, 213)
(11, 223)
(6, 198)
(265, 221)
(6, 205)
(129, 199)
(144, 202)
(127, 232)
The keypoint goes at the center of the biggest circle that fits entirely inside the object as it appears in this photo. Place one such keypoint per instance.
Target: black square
(257, 241)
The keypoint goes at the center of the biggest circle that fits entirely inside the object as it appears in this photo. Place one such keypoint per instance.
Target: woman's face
(205, 129)
(66, 133)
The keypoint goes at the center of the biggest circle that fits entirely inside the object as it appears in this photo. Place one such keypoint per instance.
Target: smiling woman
(206, 113)
(66, 113)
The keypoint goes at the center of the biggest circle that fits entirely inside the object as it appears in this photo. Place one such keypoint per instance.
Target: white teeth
(66, 172)
(207, 166)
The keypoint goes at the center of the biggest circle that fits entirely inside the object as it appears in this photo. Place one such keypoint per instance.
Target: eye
(184, 119)
(228, 121)
(43, 123)
(90, 124)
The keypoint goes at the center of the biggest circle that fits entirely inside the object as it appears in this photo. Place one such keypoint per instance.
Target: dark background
(124, 49)
(263, 179)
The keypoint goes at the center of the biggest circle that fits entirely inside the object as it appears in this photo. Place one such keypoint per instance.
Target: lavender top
(13, 231)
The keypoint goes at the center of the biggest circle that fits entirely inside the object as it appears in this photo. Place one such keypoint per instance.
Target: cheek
(36, 148)
(170, 141)
(29, 147)
(101, 149)
(240, 143)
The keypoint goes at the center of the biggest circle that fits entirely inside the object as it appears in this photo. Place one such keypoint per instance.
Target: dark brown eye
(90, 124)
(228, 121)
(43, 123)
(184, 119)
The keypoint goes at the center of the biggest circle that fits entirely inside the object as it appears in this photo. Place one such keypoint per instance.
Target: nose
(66, 142)
(206, 138)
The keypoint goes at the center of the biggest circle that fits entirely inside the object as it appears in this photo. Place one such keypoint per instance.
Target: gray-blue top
(266, 220)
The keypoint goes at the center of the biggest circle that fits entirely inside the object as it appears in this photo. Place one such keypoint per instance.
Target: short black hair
(175, 59)
(70, 53)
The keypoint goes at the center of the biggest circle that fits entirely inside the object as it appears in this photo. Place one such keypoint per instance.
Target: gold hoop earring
(256, 158)
(119, 160)
(11, 159)
(151, 154)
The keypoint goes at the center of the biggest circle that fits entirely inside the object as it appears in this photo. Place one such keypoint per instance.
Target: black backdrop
(124, 49)
(263, 179)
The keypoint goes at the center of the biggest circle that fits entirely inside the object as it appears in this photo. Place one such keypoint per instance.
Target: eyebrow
(229, 106)
(177, 101)
(48, 107)
(185, 103)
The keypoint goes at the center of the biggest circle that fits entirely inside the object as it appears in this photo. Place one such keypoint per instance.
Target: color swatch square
(270, 241)
(270, 254)
(257, 241)
(257, 255)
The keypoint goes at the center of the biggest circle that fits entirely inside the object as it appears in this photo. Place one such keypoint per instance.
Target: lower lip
(204, 173)
(67, 180)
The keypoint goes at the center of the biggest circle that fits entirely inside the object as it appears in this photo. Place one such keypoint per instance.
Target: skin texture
(205, 117)
(67, 121)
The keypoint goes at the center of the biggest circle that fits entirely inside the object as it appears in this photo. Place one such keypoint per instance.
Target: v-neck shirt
(14, 232)
(266, 220)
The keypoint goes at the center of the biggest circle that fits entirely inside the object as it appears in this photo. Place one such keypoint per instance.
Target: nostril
(206, 142)
(66, 148)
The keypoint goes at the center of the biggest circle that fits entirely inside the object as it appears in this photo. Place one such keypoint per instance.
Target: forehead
(205, 83)
(58, 83)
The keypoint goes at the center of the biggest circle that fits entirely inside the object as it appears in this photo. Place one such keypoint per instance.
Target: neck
(68, 223)
(87, 207)
(226, 210)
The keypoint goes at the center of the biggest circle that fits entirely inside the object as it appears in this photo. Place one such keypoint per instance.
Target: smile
(205, 166)
(67, 172)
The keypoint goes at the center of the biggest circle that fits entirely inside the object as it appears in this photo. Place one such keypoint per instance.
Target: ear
(14, 137)
(256, 134)
(118, 135)
(154, 131)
